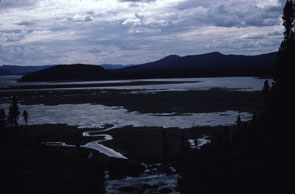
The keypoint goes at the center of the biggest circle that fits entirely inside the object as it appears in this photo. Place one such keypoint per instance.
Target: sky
(41, 32)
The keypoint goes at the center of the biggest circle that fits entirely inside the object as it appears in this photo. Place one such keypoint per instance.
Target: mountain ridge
(214, 64)
(208, 64)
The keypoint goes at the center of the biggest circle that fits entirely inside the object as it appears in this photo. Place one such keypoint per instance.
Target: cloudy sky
(38, 32)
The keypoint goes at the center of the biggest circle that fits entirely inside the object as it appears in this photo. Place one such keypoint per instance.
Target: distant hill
(111, 66)
(210, 64)
(205, 65)
(20, 70)
(76, 72)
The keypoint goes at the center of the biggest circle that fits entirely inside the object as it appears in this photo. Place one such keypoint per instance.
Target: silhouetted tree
(13, 113)
(26, 116)
(266, 95)
(2, 118)
(239, 121)
(285, 62)
(283, 95)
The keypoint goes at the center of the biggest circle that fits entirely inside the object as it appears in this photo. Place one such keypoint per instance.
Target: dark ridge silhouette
(75, 72)
(210, 64)
(206, 65)
(20, 70)
(112, 66)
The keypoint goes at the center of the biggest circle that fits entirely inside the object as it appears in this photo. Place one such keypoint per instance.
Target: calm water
(238, 83)
(92, 116)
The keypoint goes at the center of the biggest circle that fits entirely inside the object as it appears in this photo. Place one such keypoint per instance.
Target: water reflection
(94, 116)
(238, 83)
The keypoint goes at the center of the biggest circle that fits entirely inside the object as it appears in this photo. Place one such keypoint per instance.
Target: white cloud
(134, 31)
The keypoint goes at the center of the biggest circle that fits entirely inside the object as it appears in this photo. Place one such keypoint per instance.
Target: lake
(236, 83)
(96, 115)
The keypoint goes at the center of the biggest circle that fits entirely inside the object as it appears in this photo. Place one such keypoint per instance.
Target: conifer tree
(239, 121)
(282, 93)
(266, 95)
(13, 113)
(2, 118)
(285, 63)
(26, 116)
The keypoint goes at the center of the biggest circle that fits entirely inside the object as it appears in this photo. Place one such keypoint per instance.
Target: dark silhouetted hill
(74, 72)
(20, 70)
(210, 64)
(206, 65)
(112, 66)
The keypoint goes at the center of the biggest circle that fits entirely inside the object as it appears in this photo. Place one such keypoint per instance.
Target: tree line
(11, 118)
(279, 97)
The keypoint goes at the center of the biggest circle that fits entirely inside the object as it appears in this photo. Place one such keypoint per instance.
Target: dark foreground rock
(120, 168)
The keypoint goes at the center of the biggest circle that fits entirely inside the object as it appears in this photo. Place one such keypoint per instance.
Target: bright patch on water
(198, 143)
(94, 116)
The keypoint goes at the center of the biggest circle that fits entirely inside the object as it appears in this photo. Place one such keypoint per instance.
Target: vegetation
(178, 102)
(26, 116)
(2, 118)
(252, 157)
(29, 167)
(282, 95)
(13, 114)
(257, 159)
